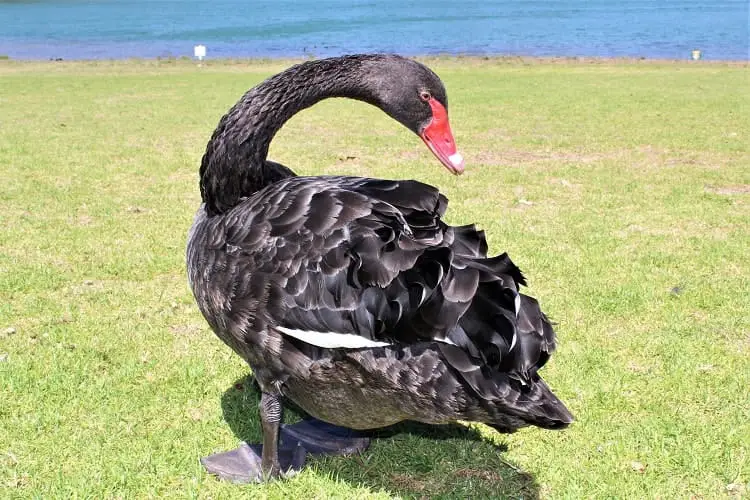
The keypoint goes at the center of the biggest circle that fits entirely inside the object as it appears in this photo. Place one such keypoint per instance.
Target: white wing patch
(331, 339)
(517, 303)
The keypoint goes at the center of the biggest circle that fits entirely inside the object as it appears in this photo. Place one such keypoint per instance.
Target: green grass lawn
(621, 188)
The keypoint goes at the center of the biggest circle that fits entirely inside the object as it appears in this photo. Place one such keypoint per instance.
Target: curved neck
(234, 165)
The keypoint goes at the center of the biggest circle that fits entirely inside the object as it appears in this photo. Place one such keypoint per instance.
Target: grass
(622, 188)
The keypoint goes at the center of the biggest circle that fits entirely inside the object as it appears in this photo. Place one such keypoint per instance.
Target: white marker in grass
(199, 51)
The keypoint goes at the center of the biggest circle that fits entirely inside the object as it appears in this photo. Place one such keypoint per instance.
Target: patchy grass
(620, 187)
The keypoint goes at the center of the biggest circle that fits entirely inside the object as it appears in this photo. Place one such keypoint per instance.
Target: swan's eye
(425, 96)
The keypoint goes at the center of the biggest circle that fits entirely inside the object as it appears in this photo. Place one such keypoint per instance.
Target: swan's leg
(253, 463)
(270, 419)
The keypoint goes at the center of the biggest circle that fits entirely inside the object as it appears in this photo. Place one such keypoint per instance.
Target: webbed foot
(243, 465)
(321, 438)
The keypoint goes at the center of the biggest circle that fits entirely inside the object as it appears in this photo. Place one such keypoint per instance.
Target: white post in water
(696, 55)
(200, 52)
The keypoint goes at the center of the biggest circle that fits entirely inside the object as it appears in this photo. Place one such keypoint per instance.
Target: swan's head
(413, 95)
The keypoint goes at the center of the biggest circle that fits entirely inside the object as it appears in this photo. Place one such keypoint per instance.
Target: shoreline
(499, 58)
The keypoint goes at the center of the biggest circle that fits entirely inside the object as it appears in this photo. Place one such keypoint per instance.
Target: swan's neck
(234, 166)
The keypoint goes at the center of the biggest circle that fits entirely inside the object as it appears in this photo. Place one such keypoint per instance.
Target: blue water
(78, 29)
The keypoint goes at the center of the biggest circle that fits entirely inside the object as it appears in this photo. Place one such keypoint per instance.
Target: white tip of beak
(456, 159)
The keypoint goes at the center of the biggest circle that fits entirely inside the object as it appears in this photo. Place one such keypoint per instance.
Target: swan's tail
(501, 338)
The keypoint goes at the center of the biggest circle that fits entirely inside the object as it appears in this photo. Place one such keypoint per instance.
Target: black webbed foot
(321, 438)
(243, 465)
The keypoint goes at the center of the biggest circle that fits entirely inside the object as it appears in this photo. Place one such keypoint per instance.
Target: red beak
(439, 138)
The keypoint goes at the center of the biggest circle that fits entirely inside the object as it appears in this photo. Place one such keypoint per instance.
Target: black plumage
(274, 260)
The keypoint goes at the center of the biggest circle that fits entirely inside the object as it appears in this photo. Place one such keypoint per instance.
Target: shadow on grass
(408, 459)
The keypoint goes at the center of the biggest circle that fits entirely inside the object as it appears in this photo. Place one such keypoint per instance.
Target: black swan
(350, 296)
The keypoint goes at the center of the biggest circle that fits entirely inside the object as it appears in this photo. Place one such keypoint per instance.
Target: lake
(98, 29)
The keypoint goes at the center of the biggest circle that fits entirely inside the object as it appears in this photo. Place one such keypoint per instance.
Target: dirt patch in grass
(519, 156)
(408, 482)
(729, 190)
(640, 157)
(685, 230)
